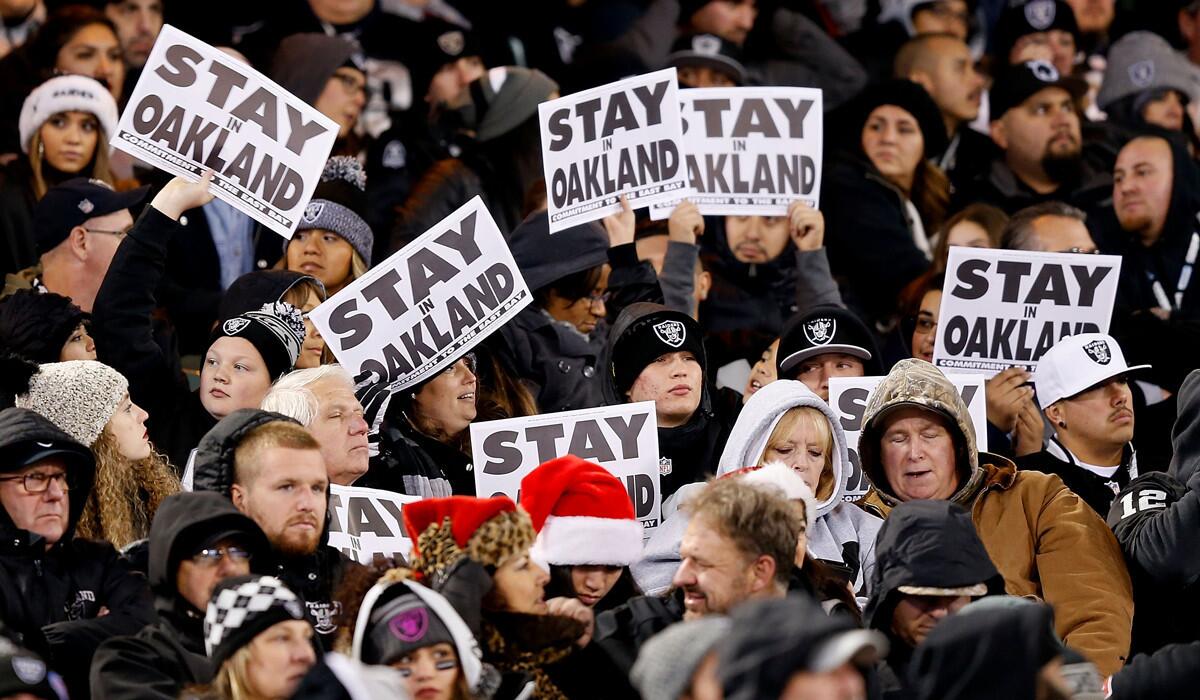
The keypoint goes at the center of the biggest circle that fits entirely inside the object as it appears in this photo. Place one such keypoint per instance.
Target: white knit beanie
(67, 93)
(79, 396)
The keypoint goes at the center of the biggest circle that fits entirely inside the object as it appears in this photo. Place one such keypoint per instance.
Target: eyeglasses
(1077, 249)
(469, 358)
(350, 83)
(598, 298)
(39, 482)
(210, 557)
(119, 234)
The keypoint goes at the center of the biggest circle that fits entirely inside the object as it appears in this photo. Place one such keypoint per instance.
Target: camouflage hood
(920, 384)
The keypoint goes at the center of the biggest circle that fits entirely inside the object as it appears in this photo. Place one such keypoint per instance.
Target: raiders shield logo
(1043, 70)
(322, 615)
(1141, 74)
(1098, 351)
(1040, 14)
(671, 332)
(820, 331)
(410, 625)
(395, 156)
(452, 43)
(86, 206)
(234, 326)
(706, 44)
(313, 212)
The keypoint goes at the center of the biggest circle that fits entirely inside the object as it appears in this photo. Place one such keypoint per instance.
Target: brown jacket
(1044, 539)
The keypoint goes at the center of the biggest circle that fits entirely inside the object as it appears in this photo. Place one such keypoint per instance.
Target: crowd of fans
(173, 421)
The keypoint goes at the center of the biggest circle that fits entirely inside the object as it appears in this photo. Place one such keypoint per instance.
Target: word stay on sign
(368, 522)
(196, 108)
(623, 439)
(1003, 308)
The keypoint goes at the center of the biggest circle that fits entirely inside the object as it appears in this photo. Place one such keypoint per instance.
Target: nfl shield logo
(706, 44)
(665, 466)
(452, 42)
(671, 332)
(1098, 351)
(86, 206)
(313, 211)
(1141, 74)
(820, 331)
(234, 326)
(1040, 14)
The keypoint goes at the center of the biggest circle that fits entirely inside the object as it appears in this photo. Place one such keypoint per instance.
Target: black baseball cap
(75, 201)
(708, 51)
(826, 329)
(1015, 84)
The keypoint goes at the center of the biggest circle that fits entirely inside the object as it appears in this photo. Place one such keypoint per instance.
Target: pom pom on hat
(339, 204)
(784, 478)
(582, 513)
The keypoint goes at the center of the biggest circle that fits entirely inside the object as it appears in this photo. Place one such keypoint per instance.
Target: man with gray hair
(322, 399)
(1050, 227)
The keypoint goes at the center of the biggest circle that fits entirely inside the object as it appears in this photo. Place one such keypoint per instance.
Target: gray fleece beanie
(668, 660)
(1140, 62)
(303, 63)
(505, 97)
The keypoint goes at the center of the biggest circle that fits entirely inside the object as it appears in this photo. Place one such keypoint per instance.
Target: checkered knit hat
(241, 608)
(78, 396)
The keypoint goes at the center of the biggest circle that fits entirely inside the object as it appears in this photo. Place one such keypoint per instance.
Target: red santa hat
(784, 478)
(582, 514)
(488, 530)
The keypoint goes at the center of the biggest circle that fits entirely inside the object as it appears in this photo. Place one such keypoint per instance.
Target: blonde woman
(785, 422)
(90, 402)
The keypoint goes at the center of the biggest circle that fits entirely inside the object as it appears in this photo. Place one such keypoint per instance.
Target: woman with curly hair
(90, 401)
(476, 553)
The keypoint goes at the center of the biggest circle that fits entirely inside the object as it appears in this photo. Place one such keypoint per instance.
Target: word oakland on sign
(1004, 308)
(196, 108)
(750, 150)
(428, 304)
(617, 139)
(848, 399)
(623, 439)
(365, 522)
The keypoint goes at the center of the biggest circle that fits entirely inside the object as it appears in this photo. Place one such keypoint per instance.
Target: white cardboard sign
(365, 522)
(428, 304)
(195, 108)
(848, 398)
(617, 139)
(623, 439)
(1005, 308)
(750, 150)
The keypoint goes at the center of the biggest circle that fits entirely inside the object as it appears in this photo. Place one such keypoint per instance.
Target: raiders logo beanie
(656, 334)
(276, 330)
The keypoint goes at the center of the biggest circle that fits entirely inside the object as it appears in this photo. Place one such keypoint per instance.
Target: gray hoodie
(838, 523)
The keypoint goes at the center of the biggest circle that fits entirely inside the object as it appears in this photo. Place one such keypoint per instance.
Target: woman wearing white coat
(785, 422)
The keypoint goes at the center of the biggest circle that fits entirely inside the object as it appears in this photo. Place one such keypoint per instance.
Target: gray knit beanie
(668, 660)
(339, 205)
(79, 396)
(505, 97)
(1143, 61)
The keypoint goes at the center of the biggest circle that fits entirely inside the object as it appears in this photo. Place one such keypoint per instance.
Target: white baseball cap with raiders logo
(1077, 363)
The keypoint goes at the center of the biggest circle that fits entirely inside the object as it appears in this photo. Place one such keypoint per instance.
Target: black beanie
(906, 95)
(303, 63)
(276, 330)
(400, 626)
(656, 334)
(36, 326)
(253, 289)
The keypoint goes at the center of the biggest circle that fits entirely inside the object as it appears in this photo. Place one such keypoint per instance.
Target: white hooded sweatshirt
(838, 522)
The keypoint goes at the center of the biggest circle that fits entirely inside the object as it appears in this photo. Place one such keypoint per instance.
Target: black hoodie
(1171, 345)
(166, 656)
(50, 599)
(314, 577)
(689, 453)
(1156, 518)
(926, 544)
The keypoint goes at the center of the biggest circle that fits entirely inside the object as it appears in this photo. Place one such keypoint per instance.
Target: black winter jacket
(50, 599)
(168, 655)
(313, 577)
(18, 247)
(1096, 490)
(124, 333)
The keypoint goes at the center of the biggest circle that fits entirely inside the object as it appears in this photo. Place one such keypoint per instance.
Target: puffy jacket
(168, 655)
(50, 599)
(842, 534)
(926, 544)
(124, 330)
(312, 577)
(1044, 539)
(1155, 518)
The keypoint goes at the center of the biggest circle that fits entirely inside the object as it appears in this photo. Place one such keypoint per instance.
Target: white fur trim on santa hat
(790, 482)
(580, 539)
(67, 93)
